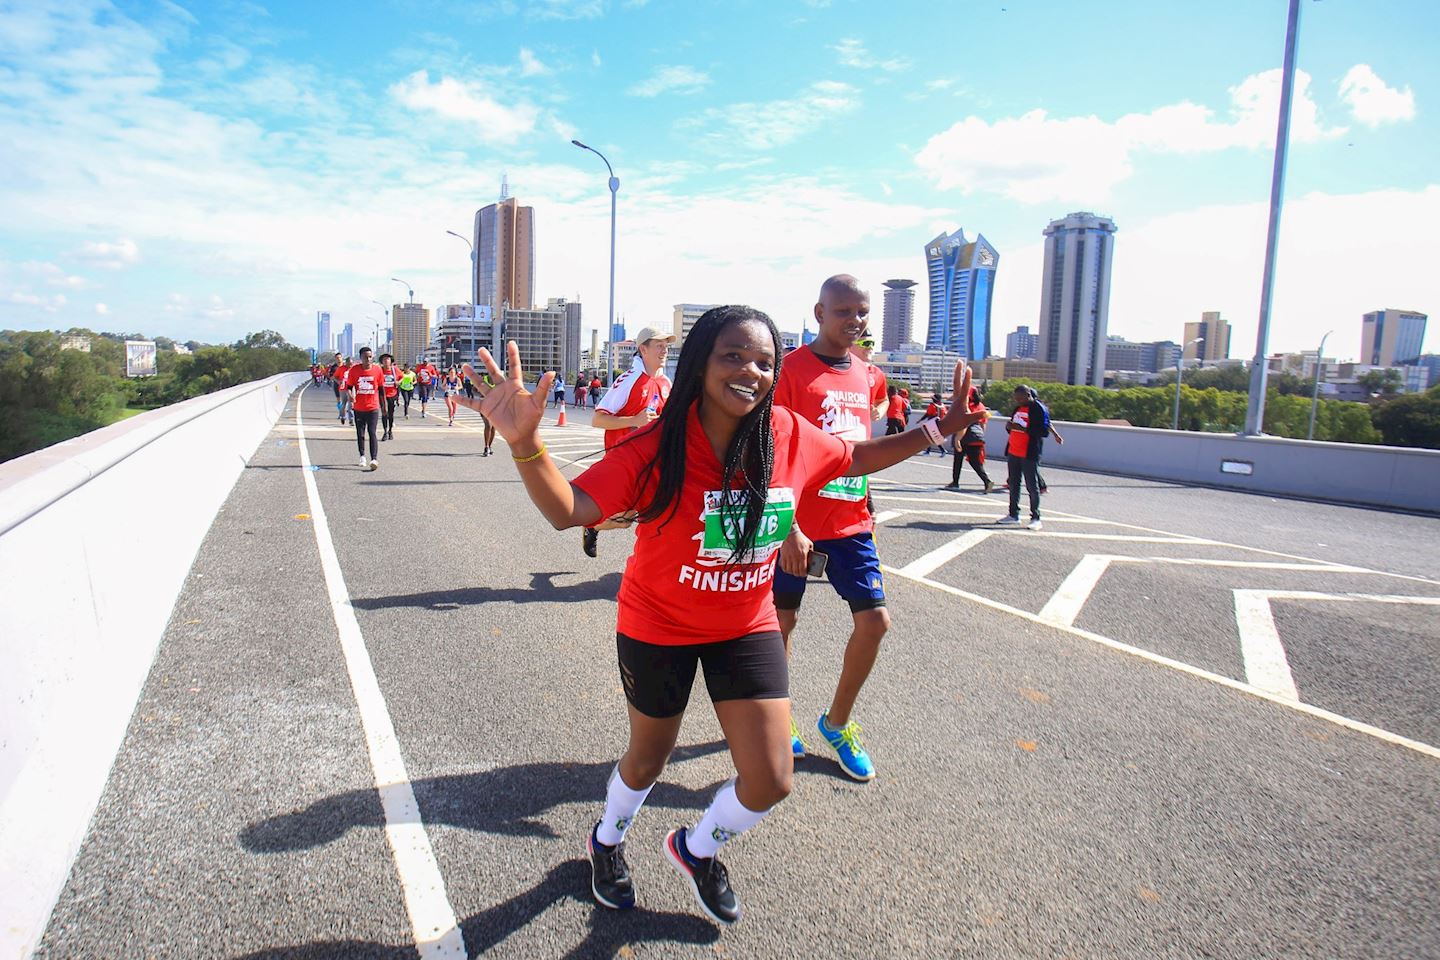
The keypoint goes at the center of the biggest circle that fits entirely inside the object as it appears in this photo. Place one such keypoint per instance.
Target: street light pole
(1255, 409)
(384, 311)
(610, 330)
(1179, 373)
(474, 347)
(1315, 387)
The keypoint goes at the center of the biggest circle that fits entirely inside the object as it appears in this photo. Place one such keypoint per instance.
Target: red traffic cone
(561, 421)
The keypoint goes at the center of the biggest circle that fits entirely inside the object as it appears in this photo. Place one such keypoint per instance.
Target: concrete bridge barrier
(97, 535)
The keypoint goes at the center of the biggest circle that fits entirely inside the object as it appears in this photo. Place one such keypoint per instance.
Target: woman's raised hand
(511, 409)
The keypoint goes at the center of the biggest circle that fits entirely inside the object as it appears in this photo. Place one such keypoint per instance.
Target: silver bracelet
(932, 430)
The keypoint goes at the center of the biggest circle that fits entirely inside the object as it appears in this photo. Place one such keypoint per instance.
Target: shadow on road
(610, 930)
(542, 589)
(506, 801)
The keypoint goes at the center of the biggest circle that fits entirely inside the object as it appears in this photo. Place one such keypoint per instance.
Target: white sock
(621, 805)
(726, 819)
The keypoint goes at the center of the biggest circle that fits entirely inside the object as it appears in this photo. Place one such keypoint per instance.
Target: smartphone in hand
(816, 567)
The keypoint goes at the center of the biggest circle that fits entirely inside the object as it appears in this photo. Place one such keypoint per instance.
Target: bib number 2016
(725, 518)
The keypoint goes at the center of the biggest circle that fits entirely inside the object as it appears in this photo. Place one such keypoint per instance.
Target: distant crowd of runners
(742, 486)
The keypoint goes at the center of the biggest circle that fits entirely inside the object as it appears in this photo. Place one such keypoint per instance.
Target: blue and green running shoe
(846, 741)
(797, 746)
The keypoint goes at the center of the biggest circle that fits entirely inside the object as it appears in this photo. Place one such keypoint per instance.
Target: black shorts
(658, 677)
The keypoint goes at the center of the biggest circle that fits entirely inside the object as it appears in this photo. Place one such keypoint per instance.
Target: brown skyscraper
(505, 254)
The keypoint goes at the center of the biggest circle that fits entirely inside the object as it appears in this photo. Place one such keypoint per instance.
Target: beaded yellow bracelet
(534, 456)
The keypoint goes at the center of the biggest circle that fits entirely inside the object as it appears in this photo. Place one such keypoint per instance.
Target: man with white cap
(634, 400)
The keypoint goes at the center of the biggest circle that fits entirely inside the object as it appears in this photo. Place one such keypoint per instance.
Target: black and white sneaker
(708, 878)
(590, 541)
(609, 874)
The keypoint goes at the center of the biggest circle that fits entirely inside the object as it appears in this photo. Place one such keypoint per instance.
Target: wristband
(932, 430)
(534, 456)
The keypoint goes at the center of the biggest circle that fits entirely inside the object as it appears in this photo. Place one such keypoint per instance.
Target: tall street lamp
(384, 312)
(610, 329)
(474, 346)
(1255, 409)
(1179, 373)
(409, 299)
(1315, 387)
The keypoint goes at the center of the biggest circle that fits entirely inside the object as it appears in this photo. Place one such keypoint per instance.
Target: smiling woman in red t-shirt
(715, 481)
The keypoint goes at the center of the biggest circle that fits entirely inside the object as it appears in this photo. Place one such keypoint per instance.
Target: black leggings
(387, 414)
(975, 455)
(894, 425)
(405, 399)
(365, 422)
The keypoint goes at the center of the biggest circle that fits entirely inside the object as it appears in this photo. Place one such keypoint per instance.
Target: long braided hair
(751, 452)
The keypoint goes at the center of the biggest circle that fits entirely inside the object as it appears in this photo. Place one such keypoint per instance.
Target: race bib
(852, 489)
(724, 518)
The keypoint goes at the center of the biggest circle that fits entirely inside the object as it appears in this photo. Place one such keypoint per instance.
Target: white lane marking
(1265, 664)
(884, 515)
(1113, 537)
(924, 565)
(1104, 641)
(1066, 603)
(1049, 514)
(432, 919)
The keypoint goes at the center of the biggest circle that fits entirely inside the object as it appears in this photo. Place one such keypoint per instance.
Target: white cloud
(453, 99)
(1036, 158)
(853, 54)
(595, 58)
(565, 9)
(763, 126)
(112, 256)
(682, 80)
(102, 309)
(52, 275)
(530, 65)
(1371, 101)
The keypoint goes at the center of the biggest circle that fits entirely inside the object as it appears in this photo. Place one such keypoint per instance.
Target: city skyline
(207, 170)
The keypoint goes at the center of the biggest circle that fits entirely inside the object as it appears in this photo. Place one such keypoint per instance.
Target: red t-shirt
(677, 588)
(1018, 445)
(341, 371)
(631, 394)
(878, 384)
(367, 384)
(423, 374)
(392, 381)
(838, 402)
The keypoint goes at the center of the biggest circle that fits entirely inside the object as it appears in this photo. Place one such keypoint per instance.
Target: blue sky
(201, 170)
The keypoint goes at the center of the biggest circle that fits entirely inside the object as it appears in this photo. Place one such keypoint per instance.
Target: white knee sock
(621, 805)
(726, 819)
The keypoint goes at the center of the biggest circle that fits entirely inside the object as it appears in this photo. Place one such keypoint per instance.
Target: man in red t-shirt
(425, 374)
(825, 385)
(634, 400)
(365, 383)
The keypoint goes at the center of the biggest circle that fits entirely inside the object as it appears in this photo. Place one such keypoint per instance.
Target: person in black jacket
(970, 446)
(1029, 425)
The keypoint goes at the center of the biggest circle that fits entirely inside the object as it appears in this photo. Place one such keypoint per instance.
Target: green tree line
(1409, 420)
(48, 394)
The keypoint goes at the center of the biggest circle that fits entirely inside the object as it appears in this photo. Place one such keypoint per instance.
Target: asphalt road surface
(1176, 722)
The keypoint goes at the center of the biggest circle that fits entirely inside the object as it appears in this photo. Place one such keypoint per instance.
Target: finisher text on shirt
(726, 581)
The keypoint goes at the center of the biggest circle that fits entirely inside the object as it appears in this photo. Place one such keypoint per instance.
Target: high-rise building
(345, 341)
(685, 316)
(460, 331)
(1390, 337)
(1075, 296)
(504, 254)
(542, 335)
(323, 344)
(1213, 338)
(899, 316)
(962, 283)
(570, 361)
(411, 325)
(1021, 344)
